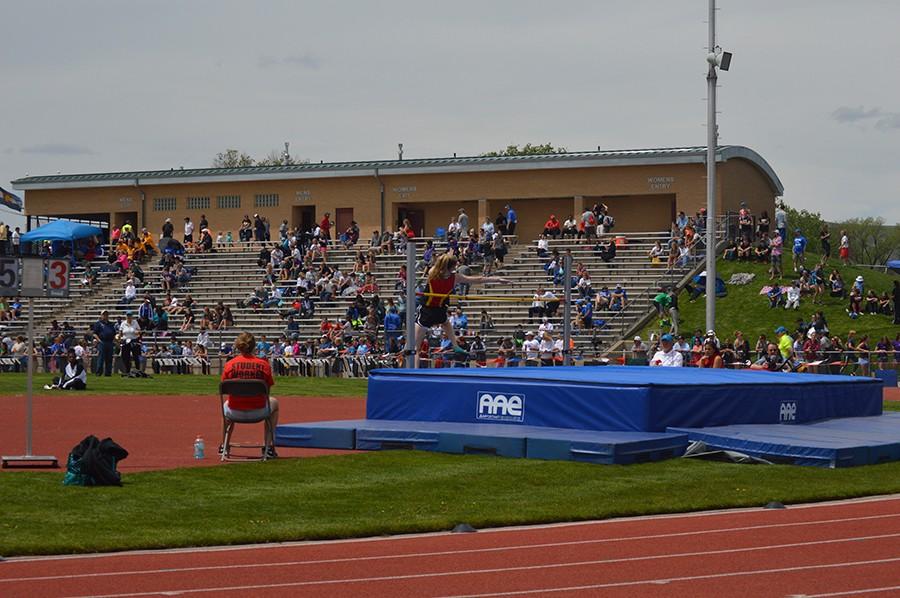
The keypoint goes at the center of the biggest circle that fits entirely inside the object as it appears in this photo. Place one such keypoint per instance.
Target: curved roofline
(739, 151)
(588, 159)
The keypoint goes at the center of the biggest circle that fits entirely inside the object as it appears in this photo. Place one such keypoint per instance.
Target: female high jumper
(442, 278)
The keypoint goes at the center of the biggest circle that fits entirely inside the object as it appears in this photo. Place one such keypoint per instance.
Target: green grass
(746, 310)
(166, 384)
(387, 493)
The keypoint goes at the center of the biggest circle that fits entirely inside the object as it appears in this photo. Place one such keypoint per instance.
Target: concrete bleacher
(232, 274)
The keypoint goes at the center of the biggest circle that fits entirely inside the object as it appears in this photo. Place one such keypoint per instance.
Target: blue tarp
(894, 265)
(61, 230)
(617, 398)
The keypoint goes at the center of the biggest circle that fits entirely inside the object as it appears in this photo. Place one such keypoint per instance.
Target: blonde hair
(245, 343)
(445, 262)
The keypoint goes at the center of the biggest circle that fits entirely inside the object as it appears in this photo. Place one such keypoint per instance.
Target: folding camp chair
(244, 388)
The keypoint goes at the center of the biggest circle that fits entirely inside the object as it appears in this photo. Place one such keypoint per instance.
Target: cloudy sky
(92, 86)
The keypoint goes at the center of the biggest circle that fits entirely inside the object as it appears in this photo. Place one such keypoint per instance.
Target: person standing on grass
(246, 366)
(844, 251)
(105, 333)
(896, 297)
(442, 278)
(799, 249)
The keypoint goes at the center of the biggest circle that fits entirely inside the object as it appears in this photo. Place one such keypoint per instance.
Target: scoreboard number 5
(9, 277)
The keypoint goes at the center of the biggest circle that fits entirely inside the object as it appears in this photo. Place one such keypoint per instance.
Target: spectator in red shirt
(325, 226)
(552, 227)
(246, 366)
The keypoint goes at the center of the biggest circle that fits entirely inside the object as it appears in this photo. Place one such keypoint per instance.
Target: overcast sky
(94, 86)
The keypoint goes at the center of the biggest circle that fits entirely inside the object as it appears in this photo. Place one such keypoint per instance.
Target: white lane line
(317, 582)
(442, 552)
(666, 580)
(492, 530)
(853, 592)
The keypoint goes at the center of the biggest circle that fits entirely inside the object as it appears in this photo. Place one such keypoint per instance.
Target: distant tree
(232, 158)
(527, 150)
(278, 158)
(809, 223)
(871, 241)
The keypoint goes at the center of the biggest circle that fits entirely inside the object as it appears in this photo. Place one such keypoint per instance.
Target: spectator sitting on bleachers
(552, 227)
(667, 356)
(130, 292)
(570, 228)
(350, 237)
(656, 253)
(543, 246)
(486, 321)
(607, 250)
(618, 298)
(460, 322)
(602, 299)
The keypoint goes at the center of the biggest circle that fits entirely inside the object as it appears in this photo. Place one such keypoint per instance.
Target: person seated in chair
(246, 366)
(74, 376)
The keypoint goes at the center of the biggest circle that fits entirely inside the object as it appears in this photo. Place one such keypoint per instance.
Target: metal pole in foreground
(29, 383)
(712, 135)
(29, 459)
(567, 310)
(410, 348)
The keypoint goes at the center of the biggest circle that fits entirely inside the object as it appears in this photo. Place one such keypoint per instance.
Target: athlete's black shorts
(432, 316)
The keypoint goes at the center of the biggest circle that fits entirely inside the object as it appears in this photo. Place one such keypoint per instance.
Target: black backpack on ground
(92, 462)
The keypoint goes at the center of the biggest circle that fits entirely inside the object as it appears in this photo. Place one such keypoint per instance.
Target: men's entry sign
(34, 277)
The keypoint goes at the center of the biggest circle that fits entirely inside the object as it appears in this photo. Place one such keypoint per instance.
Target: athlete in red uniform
(442, 277)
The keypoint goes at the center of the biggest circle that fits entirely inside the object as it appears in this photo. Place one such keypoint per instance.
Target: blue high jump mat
(616, 398)
(840, 442)
(609, 447)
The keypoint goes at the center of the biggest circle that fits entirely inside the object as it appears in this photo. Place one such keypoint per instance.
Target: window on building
(265, 200)
(198, 203)
(164, 204)
(228, 201)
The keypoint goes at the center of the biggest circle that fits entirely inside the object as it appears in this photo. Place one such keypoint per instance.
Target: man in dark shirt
(105, 332)
(168, 229)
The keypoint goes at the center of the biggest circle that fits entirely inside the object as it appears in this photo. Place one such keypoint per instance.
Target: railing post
(410, 304)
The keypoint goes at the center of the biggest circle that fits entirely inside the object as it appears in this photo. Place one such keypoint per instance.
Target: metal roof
(605, 158)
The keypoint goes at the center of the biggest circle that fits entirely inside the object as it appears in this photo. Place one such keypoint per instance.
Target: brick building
(644, 189)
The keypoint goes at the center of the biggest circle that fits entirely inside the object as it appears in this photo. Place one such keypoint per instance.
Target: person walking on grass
(442, 278)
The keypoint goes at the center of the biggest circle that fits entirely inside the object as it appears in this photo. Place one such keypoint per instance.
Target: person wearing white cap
(639, 350)
(531, 348)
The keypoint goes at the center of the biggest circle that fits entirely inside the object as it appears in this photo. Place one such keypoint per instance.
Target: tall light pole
(715, 59)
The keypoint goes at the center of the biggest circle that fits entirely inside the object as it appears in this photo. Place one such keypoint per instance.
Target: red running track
(829, 549)
(158, 432)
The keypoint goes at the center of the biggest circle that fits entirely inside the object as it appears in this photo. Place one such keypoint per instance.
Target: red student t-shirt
(248, 368)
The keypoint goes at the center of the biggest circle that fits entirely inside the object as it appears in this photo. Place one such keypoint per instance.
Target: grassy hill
(746, 310)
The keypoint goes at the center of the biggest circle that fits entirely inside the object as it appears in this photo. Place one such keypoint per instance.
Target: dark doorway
(303, 217)
(342, 219)
(416, 219)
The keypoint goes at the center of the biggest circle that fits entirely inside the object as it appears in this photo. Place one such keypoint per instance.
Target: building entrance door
(304, 217)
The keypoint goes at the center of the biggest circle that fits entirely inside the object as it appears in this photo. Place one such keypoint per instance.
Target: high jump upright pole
(712, 135)
(567, 310)
(410, 348)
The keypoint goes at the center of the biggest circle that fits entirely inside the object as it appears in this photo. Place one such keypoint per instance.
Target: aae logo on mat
(500, 407)
(788, 411)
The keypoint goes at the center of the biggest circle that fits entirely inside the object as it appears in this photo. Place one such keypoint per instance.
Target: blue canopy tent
(894, 265)
(61, 230)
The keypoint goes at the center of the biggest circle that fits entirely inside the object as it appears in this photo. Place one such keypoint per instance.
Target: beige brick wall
(640, 197)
